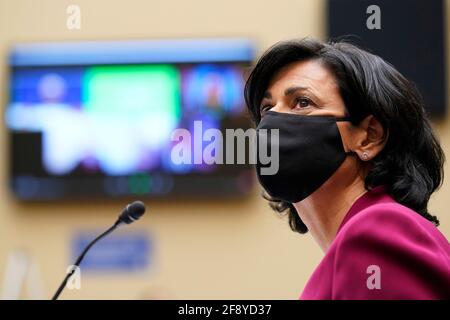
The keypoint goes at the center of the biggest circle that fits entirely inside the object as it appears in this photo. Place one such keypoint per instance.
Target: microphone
(131, 213)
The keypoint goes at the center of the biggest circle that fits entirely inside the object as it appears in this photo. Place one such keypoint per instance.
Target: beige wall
(205, 249)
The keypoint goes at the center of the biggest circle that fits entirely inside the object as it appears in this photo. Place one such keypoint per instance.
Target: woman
(358, 162)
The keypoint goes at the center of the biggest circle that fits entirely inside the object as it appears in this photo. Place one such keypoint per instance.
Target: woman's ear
(370, 139)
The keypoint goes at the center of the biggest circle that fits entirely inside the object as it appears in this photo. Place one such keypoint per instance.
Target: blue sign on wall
(119, 252)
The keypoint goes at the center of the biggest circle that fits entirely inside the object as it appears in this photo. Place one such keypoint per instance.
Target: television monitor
(96, 119)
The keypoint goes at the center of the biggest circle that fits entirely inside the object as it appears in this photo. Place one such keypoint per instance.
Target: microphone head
(132, 212)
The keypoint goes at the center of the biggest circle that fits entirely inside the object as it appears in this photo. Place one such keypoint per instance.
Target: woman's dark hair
(410, 165)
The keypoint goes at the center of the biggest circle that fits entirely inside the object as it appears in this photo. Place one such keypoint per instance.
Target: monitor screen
(98, 118)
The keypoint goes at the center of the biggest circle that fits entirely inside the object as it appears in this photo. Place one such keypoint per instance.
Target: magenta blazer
(383, 250)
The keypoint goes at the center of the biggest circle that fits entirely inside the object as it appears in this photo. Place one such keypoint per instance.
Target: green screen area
(135, 90)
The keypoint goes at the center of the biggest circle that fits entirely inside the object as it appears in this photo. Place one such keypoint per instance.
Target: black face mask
(310, 151)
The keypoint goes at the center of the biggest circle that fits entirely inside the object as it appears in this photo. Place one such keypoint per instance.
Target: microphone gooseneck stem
(81, 257)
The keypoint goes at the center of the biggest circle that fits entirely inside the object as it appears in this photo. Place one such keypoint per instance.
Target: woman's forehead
(310, 74)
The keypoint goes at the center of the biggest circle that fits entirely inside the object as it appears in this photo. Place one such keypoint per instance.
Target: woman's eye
(303, 102)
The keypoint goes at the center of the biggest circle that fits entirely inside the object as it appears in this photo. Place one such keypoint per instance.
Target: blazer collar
(375, 195)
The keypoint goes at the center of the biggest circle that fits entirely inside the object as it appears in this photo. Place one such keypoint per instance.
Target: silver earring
(365, 155)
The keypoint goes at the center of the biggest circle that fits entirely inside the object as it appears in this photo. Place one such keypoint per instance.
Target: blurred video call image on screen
(85, 121)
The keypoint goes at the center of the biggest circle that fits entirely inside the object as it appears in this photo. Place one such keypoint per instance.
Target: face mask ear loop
(351, 153)
(347, 118)
(348, 153)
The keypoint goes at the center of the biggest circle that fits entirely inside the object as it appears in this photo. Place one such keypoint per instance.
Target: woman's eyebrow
(290, 91)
